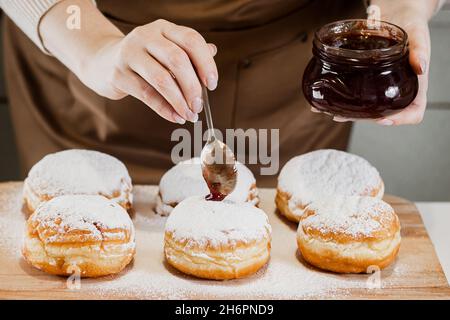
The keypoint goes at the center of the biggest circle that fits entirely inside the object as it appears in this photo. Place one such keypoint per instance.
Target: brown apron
(264, 45)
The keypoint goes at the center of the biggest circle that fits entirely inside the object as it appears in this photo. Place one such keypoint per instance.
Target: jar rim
(384, 28)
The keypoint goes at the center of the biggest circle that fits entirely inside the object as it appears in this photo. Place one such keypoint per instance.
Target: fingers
(177, 61)
(419, 47)
(413, 114)
(137, 87)
(419, 58)
(335, 118)
(343, 119)
(165, 65)
(197, 49)
(161, 80)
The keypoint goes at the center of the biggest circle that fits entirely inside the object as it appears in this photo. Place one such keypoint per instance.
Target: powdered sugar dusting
(320, 173)
(78, 172)
(286, 276)
(185, 180)
(277, 280)
(12, 220)
(349, 215)
(81, 212)
(201, 222)
(144, 215)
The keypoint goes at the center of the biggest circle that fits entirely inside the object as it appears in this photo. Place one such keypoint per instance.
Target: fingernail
(194, 119)
(386, 122)
(179, 119)
(197, 105)
(315, 110)
(341, 119)
(191, 116)
(211, 82)
(214, 49)
(423, 66)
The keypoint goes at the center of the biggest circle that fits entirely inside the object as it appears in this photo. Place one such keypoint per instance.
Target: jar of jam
(359, 70)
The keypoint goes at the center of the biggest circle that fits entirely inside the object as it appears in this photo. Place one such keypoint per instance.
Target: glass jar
(360, 71)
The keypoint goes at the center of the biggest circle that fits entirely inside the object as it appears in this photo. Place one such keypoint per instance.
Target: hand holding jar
(372, 73)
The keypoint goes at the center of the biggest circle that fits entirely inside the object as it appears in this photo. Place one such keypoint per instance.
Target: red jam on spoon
(217, 161)
(219, 170)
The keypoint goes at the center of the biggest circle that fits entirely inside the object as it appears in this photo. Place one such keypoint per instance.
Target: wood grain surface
(416, 274)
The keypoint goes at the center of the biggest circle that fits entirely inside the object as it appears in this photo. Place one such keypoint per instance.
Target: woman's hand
(156, 63)
(161, 63)
(413, 17)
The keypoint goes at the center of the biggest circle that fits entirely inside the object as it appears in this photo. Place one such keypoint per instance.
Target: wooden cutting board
(416, 274)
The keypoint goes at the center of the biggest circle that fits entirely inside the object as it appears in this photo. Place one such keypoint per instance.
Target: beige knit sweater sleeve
(27, 15)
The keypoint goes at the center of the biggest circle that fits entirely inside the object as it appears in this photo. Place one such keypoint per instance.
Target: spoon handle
(209, 121)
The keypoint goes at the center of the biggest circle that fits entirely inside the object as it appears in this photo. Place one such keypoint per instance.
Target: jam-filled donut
(319, 174)
(87, 234)
(185, 180)
(76, 171)
(217, 239)
(349, 234)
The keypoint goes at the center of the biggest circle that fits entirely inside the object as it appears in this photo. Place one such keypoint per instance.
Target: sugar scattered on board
(12, 220)
(268, 283)
(286, 276)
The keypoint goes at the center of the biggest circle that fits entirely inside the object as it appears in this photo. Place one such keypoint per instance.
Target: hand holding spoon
(217, 161)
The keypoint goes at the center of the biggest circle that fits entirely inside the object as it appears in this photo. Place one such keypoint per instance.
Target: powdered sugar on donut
(214, 223)
(348, 215)
(95, 215)
(185, 180)
(321, 173)
(78, 172)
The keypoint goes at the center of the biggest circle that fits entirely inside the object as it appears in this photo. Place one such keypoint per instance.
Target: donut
(185, 180)
(77, 171)
(321, 173)
(88, 234)
(217, 240)
(349, 234)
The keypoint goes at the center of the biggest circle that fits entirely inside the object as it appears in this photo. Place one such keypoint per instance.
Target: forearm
(74, 46)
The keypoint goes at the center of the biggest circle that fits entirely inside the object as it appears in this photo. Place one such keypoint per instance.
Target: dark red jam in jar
(360, 71)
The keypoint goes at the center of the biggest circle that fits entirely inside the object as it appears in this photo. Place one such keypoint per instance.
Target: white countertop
(436, 217)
